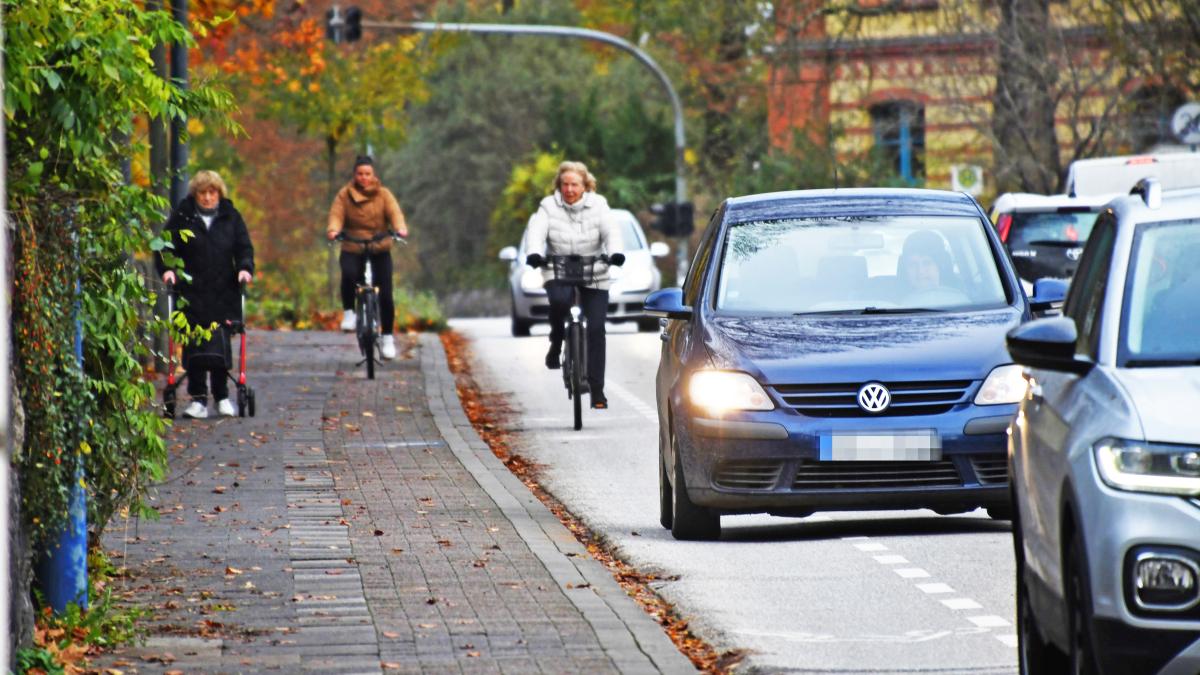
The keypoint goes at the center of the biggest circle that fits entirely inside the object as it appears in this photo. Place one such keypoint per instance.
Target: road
(879, 592)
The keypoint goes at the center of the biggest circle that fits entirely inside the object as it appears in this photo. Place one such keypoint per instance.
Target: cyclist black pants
(197, 383)
(595, 310)
(381, 276)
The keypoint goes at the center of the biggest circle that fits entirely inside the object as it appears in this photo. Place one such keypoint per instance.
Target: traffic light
(343, 27)
(673, 219)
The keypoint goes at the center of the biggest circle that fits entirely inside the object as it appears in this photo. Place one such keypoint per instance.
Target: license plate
(922, 445)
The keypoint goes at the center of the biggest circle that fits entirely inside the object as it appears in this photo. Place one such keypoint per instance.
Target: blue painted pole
(63, 569)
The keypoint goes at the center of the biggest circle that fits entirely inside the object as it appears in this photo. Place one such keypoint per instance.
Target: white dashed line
(890, 559)
(961, 603)
(1010, 640)
(988, 621)
(632, 401)
(935, 588)
(870, 546)
(911, 572)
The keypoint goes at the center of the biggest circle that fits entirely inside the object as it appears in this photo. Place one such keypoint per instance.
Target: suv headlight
(531, 280)
(1005, 384)
(1149, 467)
(724, 390)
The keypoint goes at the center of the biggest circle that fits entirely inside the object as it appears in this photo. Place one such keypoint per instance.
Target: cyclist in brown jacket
(363, 209)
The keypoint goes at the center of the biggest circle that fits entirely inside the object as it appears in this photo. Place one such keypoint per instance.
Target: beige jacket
(363, 214)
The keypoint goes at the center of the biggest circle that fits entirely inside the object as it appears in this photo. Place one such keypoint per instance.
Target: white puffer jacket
(582, 228)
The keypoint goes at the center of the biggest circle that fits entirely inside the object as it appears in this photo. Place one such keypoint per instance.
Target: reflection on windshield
(867, 264)
(1161, 317)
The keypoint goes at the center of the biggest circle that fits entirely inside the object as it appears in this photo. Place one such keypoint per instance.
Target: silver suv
(1104, 454)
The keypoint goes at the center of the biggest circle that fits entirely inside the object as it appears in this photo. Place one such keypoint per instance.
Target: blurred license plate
(922, 445)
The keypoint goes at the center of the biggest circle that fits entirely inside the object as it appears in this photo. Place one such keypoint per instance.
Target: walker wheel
(241, 400)
(169, 403)
(250, 401)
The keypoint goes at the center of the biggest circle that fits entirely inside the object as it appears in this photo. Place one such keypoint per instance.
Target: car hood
(1165, 400)
(835, 349)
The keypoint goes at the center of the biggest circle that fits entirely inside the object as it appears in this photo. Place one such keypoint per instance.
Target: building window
(1153, 108)
(899, 128)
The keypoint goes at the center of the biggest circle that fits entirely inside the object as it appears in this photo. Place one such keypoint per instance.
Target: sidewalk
(359, 526)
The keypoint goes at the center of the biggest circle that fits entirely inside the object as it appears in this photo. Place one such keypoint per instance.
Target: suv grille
(908, 398)
(849, 475)
(747, 475)
(991, 470)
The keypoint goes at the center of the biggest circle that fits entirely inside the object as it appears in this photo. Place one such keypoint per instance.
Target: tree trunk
(1026, 150)
(20, 552)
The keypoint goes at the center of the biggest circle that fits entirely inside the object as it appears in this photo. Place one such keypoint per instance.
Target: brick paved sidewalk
(363, 526)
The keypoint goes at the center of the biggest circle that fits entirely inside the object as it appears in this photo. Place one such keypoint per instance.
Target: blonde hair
(207, 179)
(589, 181)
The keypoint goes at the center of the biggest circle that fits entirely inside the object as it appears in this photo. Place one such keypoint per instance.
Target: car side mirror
(1049, 344)
(667, 304)
(1048, 294)
(508, 253)
(659, 249)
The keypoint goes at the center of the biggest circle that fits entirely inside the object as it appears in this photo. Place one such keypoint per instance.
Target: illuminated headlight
(638, 279)
(724, 390)
(1149, 467)
(1004, 384)
(531, 280)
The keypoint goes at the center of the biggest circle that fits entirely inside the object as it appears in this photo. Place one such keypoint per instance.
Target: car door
(1056, 404)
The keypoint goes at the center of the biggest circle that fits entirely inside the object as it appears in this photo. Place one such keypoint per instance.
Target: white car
(1104, 454)
(1045, 234)
(632, 282)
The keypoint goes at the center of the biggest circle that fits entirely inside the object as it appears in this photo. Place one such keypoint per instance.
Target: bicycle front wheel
(368, 331)
(575, 350)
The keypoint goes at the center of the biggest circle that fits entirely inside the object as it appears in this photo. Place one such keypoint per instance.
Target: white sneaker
(348, 321)
(387, 347)
(196, 410)
(225, 407)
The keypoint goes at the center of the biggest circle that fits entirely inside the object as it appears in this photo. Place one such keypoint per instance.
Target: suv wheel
(1079, 607)
(1035, 655)
(520, 327)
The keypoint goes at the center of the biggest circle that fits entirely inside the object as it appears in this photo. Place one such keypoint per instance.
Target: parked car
(838, 350)
(1118, 175)
(1105, 452)
(630, 283)
(1045, 234)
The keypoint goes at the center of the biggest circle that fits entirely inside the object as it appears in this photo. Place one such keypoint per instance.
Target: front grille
(857, 475)
(991, 470)
(747, 475)
(908, 398)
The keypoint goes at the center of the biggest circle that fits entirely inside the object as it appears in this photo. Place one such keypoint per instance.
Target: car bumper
(1133, 638)
(773, 462)
(621, 306)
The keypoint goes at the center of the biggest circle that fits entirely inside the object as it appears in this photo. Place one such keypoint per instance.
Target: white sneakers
(196, 410)
(225, 408)
(348, 321)
(387, 347)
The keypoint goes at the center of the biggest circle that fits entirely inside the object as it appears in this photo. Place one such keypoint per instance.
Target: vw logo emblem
(1075, 253)
(874, 397)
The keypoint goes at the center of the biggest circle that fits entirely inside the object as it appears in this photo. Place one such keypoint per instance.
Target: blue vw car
(839, 350)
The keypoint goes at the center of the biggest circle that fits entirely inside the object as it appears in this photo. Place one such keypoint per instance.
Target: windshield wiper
(1161, 363)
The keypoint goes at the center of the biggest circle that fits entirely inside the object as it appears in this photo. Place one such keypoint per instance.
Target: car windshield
(1161, 316)
(859, 264)
(1029, 229)
(627, 230)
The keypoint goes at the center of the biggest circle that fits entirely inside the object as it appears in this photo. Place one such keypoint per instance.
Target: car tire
(688, 521)
(647, 325)
(664, 493)
(1034, 655)
(520, 327)
(1000, 512)
(1079, 607)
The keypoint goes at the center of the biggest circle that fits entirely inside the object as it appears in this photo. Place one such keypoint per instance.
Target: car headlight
(1149, 467)
(531, 280)
(724, 390)
(634, 279)
(1005, 384)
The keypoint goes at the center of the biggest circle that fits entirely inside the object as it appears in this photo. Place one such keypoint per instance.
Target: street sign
(1185, 123)
(966, 178)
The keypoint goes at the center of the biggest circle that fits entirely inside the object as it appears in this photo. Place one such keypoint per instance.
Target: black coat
(213, 257)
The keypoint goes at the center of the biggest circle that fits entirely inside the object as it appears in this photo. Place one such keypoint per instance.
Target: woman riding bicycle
(363, 209)
(575, 220)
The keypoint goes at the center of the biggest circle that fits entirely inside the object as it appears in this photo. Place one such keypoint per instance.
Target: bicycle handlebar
(342, 236)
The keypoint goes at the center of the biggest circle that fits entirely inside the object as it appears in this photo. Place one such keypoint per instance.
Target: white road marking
(1010, 640)
(911, 572)
(890, 559)
(935, 588)
(632, 401)
(871, 546)
(988, 621)
(961, 603)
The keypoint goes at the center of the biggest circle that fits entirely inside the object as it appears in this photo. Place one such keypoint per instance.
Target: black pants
(595, 310)
(353, 273)
(198, 377)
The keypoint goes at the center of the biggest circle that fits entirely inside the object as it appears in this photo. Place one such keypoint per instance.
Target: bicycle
(577, 271)
(366, 302)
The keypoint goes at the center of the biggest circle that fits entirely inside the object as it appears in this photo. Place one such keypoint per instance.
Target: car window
(1029, 229)
(627, 229)
(1086, 297)
(859, 263)
(695, 275)
(1160, 317)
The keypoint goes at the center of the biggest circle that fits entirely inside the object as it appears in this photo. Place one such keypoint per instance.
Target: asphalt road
(846, 592)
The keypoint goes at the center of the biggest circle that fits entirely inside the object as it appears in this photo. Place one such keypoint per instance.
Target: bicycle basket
(215, 353)
(574, 269)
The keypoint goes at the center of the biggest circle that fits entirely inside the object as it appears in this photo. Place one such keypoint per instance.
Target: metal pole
(179, 76)
(585, 34)
(5, 453)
